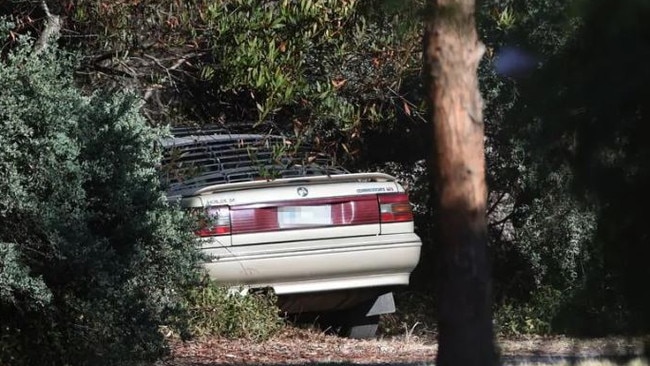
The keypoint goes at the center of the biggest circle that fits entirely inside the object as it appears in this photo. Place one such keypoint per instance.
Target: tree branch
(503, 220)
(51, 31)
(496, 203)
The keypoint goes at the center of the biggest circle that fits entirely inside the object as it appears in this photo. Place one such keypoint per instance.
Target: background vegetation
(565, 115)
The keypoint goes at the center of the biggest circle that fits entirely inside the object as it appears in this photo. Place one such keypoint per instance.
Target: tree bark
(452, 52)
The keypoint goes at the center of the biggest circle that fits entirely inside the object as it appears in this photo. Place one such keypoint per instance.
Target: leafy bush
(214, 310)
(92, 258)
(532, 317)
(326, 68)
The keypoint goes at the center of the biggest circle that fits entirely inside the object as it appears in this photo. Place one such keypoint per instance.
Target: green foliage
(325, 68)
(568, 147)
(535, 316)
(553, 230)
(93, 259)
(270, 52)
(16, 283)
(542, 233)
(218, 311)
(593, 114)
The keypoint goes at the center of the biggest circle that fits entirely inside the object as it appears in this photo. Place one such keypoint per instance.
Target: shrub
(92, 258)
(217, 311)
(535, 316)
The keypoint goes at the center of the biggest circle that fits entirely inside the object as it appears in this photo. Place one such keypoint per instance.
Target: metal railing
(194, 158)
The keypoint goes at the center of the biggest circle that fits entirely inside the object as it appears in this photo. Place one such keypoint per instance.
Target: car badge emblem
(302, 191)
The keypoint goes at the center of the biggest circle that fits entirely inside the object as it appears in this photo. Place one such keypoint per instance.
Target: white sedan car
(276, 215)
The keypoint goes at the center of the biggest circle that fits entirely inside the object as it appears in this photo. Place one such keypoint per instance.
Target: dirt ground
(296, 346)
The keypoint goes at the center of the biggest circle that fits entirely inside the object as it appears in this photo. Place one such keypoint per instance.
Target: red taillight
(303, 214)
(214, 221)
(395, 207)
(361, 210)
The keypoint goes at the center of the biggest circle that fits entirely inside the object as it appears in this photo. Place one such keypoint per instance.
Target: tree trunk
(452, 53)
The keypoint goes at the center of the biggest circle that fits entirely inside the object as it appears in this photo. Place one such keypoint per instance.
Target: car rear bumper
(333, 264)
